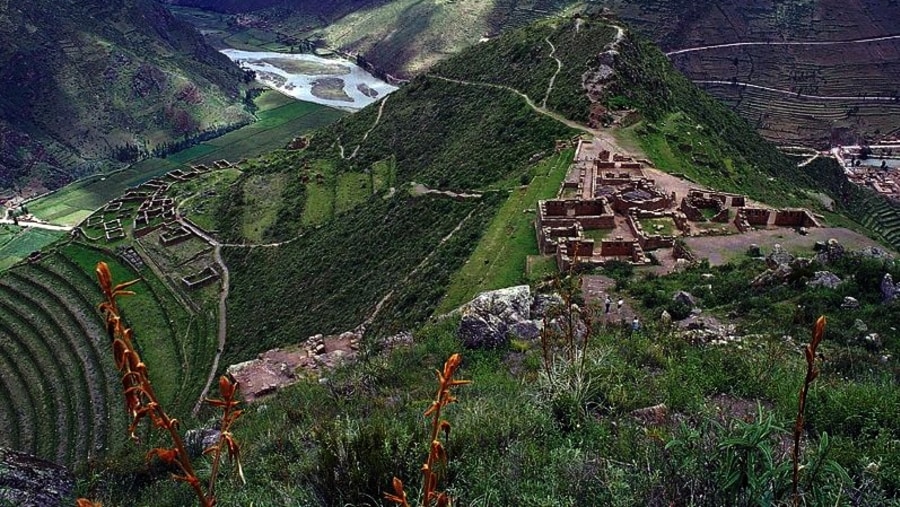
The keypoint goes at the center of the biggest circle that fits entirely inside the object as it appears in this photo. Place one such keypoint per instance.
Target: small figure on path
(619, 305)
(635, 325)
(608, 303)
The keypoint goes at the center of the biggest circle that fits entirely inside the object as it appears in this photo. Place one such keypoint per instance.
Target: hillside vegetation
(86, 83)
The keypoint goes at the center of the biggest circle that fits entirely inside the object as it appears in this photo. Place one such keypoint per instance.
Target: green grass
(352, 189)
(597, 235)
(650, 226)
(176, 343)
(540, 267)
(499, 260)
(279, 122)
(259, 192)
(17, 243)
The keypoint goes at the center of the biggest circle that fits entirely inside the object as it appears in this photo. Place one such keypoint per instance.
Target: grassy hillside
(82, 81)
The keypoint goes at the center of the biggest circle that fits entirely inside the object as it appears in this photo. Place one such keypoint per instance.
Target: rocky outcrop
(889, 290)
(27, 481)
(829, 252)
(825, 279)
(489, 319)
(779, 257)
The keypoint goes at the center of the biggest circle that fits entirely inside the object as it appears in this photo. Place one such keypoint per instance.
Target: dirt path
(366, 135)
(419, 189)
(813, 43)
(36, 225)
(223, 296)
(722, 249)
(605, 138)
(387, 297)
(559, 66)
(843, 98)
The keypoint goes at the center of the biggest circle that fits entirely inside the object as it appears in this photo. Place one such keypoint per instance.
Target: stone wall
(795, 218)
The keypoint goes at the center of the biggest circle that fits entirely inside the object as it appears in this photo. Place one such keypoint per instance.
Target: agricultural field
(58, 373)
(16, 243)
(279, 122)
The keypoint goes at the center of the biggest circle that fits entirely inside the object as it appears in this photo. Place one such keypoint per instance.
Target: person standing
(619, 305)
(608, 303)
(635, 325)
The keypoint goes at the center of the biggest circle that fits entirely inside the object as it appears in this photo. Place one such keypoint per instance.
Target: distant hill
(399, 37)
(89, 81)
(802, 72)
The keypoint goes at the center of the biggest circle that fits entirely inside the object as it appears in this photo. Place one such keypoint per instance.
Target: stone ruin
(747, 219)
(642, 195)
(561, 220)
(174, 233)
(719, 203)
(131, 257)
(652, 240)
(202, 278)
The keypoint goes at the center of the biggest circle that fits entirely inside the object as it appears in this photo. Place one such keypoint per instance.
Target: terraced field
(59, 390)
(59, 387)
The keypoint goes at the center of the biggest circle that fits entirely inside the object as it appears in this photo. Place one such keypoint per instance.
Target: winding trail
(366, 135)
(418, 189)
(812, 43)
(387, 297)
(603, 137)
(842, 98)
(223, 296)
(559, 67)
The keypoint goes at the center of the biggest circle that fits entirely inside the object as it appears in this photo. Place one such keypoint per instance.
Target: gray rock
(830, 252)
(665, 317)
(526, 329)
(198, 440)
(482, 331)
(512, 300)
(544, 303)
(825, 279)
(772, 276)
(889, 290)
(487, 319)
(850, 302)
(778, 257)
(860, 326)
(27, 481)
(685, 298)
(560, 326)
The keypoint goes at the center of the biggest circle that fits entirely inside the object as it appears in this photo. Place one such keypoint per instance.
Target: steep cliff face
(83, 80)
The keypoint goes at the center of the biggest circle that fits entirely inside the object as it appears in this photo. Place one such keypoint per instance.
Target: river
(328, 81)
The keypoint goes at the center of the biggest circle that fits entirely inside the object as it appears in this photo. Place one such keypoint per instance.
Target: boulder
(544, 303)
(850, 303)
(825, 279)
(482, 331)
(486, 320)
(860, 326)
(889, 290)
(685, 298)
(772, 276)
(830, 252)
(778, 257)
(754, 251)
(503, 302)
(27, 481)
(525, 329)
(198, 440)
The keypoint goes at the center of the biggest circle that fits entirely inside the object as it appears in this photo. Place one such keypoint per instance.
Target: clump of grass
(436, 454)
(812, 371)
(143, 404)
